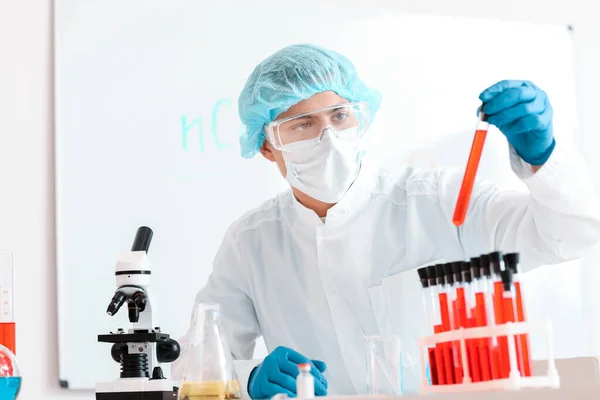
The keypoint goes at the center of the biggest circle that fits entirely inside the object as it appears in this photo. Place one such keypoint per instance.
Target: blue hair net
(293, 74)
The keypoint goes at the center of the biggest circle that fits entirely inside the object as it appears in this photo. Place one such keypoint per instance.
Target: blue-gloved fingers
(500, 87)
(514, 113)
(508, 99)
(318, 370)
(320, 389)
(531, 123)
(288, 368)
(522, 112)
(319, 378)
(321, 366)
(281, 378)
(296, 357)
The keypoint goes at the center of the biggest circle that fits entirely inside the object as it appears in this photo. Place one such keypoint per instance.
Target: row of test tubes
(484, 291)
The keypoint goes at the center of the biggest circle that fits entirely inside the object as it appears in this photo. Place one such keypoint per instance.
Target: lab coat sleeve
(556, 219)
(227, 286)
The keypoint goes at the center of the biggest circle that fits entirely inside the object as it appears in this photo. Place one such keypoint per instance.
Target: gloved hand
(277, 374)
(522, 112)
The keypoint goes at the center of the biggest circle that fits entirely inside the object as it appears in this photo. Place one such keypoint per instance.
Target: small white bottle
(305, 383)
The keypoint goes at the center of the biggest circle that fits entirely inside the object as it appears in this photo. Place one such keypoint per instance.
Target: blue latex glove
(277, 374)
(522, 112)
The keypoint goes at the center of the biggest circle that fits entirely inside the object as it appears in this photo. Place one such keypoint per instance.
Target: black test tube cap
(142, 240)
(495, 262)
(423, 276)
(432, 275)
(448, 273)
(466, 272)
(439, 274)
(484, 263)
(457, 269)
(512, 261)
(476, 267)
(507, 279)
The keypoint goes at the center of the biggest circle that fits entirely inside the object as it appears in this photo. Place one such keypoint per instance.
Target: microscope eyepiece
(142, 240)
(116, 303)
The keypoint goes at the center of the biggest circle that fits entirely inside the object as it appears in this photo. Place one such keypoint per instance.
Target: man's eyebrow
(336, 109)
(310, 116)
(329, 112)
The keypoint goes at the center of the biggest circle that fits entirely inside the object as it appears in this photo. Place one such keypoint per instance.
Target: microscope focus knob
(117, 350)
(167, 351)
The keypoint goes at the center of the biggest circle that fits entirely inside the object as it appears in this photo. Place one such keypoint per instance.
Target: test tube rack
(514, 382)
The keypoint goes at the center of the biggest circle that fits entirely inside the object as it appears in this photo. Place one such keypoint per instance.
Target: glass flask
(384, 367)
(209, 373)
(10, 376)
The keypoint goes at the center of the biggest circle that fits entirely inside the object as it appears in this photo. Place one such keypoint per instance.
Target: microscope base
(137, 389)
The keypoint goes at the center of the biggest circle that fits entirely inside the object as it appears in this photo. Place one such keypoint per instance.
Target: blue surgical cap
(293, 74)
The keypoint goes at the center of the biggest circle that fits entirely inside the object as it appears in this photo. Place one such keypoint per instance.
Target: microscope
(141, 349)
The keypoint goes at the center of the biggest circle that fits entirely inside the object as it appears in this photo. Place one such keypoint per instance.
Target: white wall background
(26, 155)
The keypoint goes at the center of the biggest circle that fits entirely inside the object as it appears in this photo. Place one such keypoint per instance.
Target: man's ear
(265, 150)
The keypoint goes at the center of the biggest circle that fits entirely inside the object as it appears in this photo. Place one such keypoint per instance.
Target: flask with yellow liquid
(209, 373)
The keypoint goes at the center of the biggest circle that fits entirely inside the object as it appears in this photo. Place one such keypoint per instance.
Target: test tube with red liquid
(469, 311)
(451, 289)
(511, 260)
(497, 266)
(436, 320)
(428, 307)
(444, 297)
(487, 285)
(7, 321)
(508, 310)
(479, 313)
(464, 196)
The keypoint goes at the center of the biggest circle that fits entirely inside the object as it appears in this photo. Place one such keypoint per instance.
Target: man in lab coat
(315, 269)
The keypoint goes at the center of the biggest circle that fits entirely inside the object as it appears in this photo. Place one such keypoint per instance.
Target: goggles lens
(347, 121)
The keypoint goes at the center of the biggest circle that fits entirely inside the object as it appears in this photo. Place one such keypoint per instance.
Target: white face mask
(323, 169)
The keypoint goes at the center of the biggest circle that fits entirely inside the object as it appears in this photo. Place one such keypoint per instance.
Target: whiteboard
(146, 134)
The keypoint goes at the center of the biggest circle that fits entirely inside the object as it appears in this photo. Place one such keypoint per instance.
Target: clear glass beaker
(209, 371)
(384, 366)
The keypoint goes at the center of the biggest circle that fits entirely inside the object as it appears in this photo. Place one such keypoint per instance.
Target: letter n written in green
(186, 127)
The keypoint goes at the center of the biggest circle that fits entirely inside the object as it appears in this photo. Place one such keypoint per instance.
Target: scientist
(312, 269)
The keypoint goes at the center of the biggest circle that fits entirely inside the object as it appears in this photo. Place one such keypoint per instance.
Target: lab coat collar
(305, 215)
(357, 194)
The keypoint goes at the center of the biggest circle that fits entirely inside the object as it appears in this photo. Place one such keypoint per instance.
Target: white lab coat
(319, 288)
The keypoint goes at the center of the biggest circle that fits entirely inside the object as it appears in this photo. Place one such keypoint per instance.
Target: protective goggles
(348, 121)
